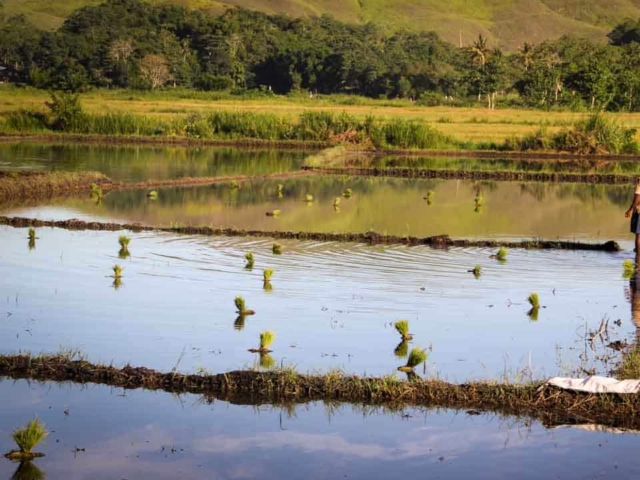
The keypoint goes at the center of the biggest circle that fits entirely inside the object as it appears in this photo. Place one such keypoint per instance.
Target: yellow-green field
(465, 124)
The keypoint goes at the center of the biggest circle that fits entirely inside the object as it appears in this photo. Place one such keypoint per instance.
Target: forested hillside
(134, 44)
(506, 23)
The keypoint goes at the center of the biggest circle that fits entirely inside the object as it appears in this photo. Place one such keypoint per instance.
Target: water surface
(145, 435)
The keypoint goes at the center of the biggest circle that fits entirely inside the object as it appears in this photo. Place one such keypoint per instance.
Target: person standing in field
(635, 216)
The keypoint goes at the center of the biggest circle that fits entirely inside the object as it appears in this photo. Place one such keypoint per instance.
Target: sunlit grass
(416, 357)
(402, 327)
(27, 438)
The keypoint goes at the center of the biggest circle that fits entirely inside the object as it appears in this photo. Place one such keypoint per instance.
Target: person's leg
(637, 249)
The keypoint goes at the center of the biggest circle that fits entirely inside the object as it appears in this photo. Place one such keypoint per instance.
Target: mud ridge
(537, 400)
(594, 178)
(439, 241)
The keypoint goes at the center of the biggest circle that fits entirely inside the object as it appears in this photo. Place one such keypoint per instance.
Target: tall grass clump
(27, 438)
(400, 133)
(402, 327)
(241, 307)
(25, 121)
(264, 126)
(324, 126)
(32, 234)
(266, 339)
(599, 134)
(250, 260)
(416, 357)
(628, 269)
(123, 240)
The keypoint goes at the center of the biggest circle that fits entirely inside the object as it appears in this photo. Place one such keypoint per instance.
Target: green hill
(507, 23)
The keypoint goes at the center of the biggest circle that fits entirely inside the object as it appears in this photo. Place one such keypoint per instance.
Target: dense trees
(134, 44)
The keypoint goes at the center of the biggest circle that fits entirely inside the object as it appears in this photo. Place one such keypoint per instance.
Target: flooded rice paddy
(332, 306)
(104, 433)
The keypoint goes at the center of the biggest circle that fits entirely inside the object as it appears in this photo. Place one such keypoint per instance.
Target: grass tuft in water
(276, 249)
(27, 438)
(241, 307)
(628, 268)
(416, 357)
(266, 339)
(402, 327)
(32, 234)
(502, 254)
(308, 198)
(347, 193)
(266, 279)
(152, 195)
(124, 241)
(477, 271)
(233, 185)
(336, 202)
(250, 260)
(273, 213)
(117, 271)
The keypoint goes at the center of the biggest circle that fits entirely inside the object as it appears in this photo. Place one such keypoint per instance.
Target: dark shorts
(635, 224)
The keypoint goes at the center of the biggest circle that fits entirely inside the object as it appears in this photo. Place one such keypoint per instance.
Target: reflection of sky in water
(124, 436)
(332, 305)
(393, 206)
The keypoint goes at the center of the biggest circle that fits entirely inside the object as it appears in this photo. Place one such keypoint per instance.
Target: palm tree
(526, 53)
(479, 51)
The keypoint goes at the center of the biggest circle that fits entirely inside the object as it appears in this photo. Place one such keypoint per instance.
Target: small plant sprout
(277, 249)
(402, 350)
(96, 191)
(347, 193)
(629, 269)
(477, 271)
(402, 327)
(124, 241)
(117, 271)
(534, 300)
(27, 438)
(501, 256)
(336, 202)
(273, 213)
(32, 233)
(249, 258)
(266, 339)
(152, 195)
(429, 195)
(416, 357)
(308, 198)
(266, 279)
(242, 308)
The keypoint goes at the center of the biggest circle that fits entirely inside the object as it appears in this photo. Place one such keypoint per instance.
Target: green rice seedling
(32, 233)
(402, 349)
(266, 361)
(233, 185)
(242, 308)
(479, 201)
(266, 339)
(152, 195)
(477, 271)
(276, 249)
(628, 269)
(27, 438)
(280, 189)
(273, 213)
(502, 254)
(308, 198)
(117, 271)
(416, 357)
(266, 279)
(124, 241)
(534, 300)
(347, 193)
(96, 192)
(429, 195)
(402, 327)
(336, 202)
(250, 260)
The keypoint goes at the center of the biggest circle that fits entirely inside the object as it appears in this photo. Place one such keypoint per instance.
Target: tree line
(133, 44)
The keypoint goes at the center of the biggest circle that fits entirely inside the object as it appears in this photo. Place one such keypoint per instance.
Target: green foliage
(336, 202)
(629, 268)
(276, 249)
(124, 241)
(534, 301)
(266, 275)
(308, 198)
(32, 234)
(152, 195)
(240, 304)
(66, 111)
(27, 438)
(477, 271)
(502, 254)
(266, 339)
(597, 135)
(416, 357)
(347, 193)
(250, 260)
(233, 185)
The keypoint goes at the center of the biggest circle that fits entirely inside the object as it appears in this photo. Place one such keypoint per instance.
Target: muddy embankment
(29, 185)
(536, 400)
(568, 177)
(438, 241)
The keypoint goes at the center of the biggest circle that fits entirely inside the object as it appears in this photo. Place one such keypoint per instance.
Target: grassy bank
(547, 404)
(373, 238)
(195, 115)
